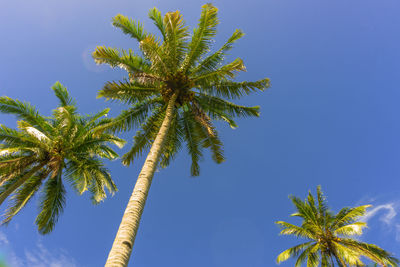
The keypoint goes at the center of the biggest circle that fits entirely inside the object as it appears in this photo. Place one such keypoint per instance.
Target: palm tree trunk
(125, 238)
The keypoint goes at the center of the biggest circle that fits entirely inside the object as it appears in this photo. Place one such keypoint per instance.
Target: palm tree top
(48, 150)
(177, 64)
(330, 236)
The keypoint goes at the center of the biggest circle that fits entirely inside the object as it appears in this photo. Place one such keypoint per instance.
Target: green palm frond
(351, 229)
(234, 90)
(62, 94)
(192, 139)
(126, 60)
(307, 256)
(44, 150)
(24, 194)
(132, 117)
(129, 27)
(215, 104)
(144, 137)
(328, 232)
(349, 215)
(211, 62)
(202, 35)
(24, 111)
(153, 52)
(291, 229)
(51, 205)
(155, 15)
(370, 251)
(293, 252)
(127, 92)
(228, 71)
(176, 34)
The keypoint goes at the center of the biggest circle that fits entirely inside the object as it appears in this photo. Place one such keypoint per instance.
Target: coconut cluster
(178, 82)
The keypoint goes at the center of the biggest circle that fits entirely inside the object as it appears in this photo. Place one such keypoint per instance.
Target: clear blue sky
(331, 118)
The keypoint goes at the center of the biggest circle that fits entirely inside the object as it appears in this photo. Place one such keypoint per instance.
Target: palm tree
(330, 236)
(44, 150)
(176, 88)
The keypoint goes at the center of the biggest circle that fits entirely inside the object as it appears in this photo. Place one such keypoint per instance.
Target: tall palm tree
(47, 150)
(176, 88)
(330, 235)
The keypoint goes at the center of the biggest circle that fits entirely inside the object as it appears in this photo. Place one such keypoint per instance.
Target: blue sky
(330, 118)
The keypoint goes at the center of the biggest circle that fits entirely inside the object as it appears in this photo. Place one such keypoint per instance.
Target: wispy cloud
(387, 214)
(39, 256)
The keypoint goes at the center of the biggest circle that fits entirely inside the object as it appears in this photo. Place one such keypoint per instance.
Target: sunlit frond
(202, 36)
(130, 27)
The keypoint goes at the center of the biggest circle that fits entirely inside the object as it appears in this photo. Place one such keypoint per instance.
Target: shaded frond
(234, 90)
(144, 137)
(51, 204)
(129, 93)
(24, 111)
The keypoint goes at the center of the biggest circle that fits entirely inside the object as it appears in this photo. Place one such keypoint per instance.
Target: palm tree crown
(330, 236)
(47, 149)
(181, 68)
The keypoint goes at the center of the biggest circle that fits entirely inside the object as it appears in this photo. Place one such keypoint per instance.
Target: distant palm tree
(329, 236)
(48, 150)
(176, 89)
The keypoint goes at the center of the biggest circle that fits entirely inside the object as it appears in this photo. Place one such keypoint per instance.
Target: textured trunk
(125, 238)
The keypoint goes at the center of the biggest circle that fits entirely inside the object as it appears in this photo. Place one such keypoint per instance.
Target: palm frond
(176, 34)
(202, 36)
(349, 215)
(234, 90)
(291, 229)
(192, 139)
(62, 94)
(155, 15)
(51, 204)
(129, 93)
(130, 27)
(24, 111)
(23, 195)
(126, 60)
(293, 252)
(153, 52)
(228, 71)
(132, 117)
(211, 62)
(144, 137)
(215, 104)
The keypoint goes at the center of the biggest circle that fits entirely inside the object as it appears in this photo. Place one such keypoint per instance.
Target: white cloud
(387, 216)
(3, 239)
(42, 257)
(39, 256)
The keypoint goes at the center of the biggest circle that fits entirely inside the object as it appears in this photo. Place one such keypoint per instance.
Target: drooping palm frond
(329, 236)
(45, 150)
